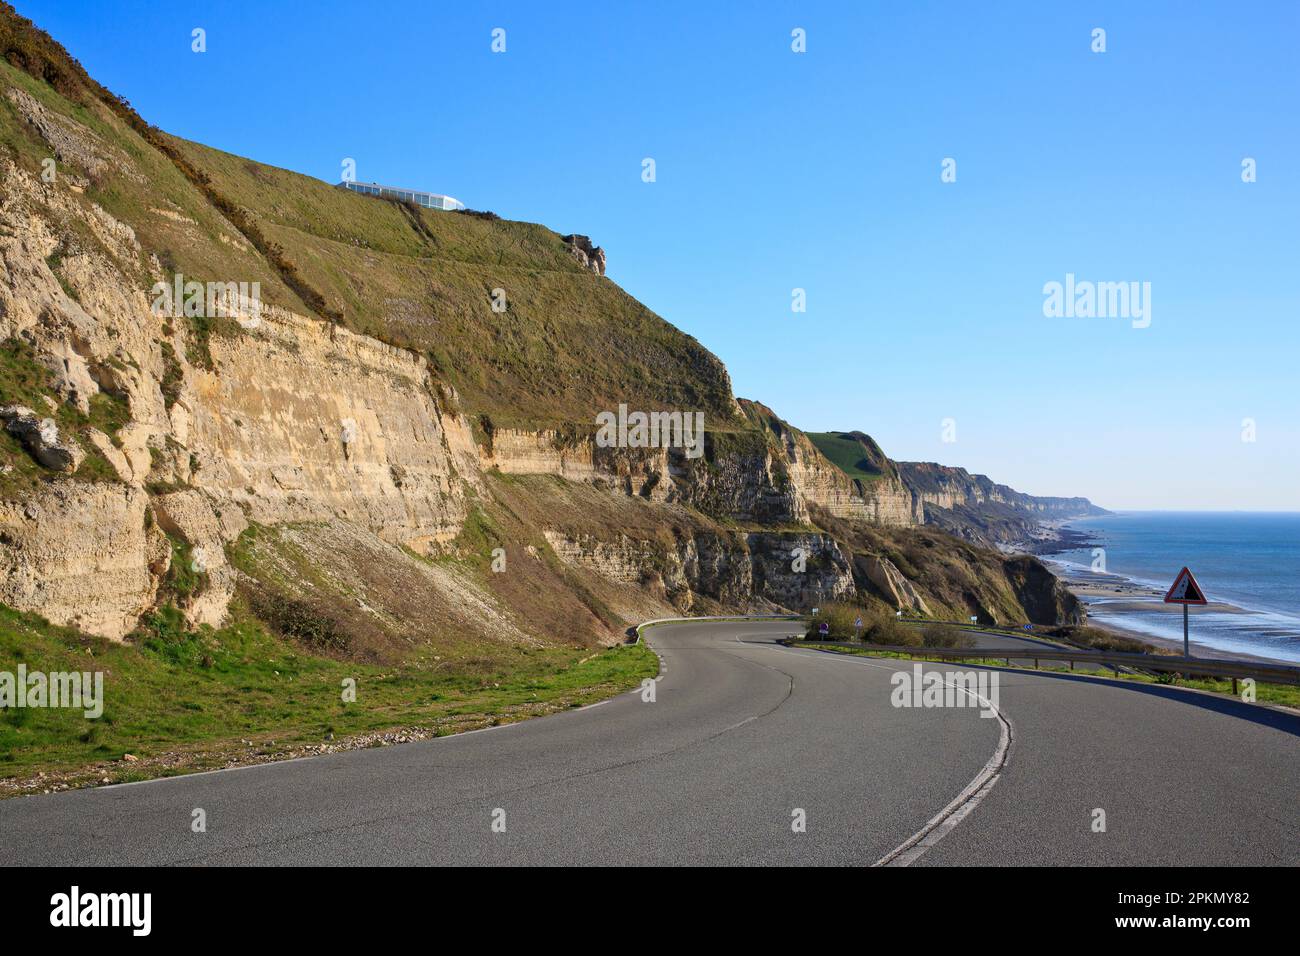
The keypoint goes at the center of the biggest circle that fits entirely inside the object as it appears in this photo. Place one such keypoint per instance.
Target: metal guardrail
(1186, 666)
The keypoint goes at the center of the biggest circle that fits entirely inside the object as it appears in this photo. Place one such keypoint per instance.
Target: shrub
(1100, 640)
(879, 626)
(173, 376)
(839, 618)
(945, 635)
(304, 621)
(183, 576)
(885, 629)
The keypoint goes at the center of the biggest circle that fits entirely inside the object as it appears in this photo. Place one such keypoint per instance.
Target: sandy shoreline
(1121, 596)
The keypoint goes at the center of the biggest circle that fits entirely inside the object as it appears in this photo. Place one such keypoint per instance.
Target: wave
(1242, 628)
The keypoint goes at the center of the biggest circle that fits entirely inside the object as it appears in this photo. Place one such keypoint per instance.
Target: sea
(1250, 560)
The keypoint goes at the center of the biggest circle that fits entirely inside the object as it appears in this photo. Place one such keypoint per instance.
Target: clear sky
(821, 170)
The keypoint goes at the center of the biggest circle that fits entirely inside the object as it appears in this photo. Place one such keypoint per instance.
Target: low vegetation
(945, 635)
(23, 381)
(180, 700)
(879, 626)
(1097, 639)
(854, 454)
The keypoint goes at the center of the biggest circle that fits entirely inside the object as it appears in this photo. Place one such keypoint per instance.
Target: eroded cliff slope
(373, 454)
(967, 506)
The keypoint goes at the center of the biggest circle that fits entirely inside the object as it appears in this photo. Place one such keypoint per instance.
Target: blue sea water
(1248, 559)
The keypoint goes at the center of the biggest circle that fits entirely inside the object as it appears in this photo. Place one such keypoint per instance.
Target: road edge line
(960, 807)
(946, 820)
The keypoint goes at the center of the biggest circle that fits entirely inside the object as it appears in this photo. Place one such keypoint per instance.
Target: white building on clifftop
(427, 200)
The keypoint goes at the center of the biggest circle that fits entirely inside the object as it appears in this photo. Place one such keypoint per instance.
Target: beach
(1111, 600)
(1122, 565)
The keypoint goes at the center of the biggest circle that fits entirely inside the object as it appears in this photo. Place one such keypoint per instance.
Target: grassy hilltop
(572, 343)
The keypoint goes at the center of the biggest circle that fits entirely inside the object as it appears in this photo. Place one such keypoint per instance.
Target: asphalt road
(742, 734)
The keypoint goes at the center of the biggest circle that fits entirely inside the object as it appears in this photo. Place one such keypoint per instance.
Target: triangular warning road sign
(1185, 590)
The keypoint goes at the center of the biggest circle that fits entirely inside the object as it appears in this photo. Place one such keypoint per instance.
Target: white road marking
(946, 820)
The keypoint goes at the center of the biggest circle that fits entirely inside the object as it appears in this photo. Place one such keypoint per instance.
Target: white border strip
(943, 822)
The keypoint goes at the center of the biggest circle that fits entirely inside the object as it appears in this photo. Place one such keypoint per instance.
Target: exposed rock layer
(358, 455)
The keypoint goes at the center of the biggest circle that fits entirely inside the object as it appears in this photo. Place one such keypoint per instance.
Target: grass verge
(179, 702)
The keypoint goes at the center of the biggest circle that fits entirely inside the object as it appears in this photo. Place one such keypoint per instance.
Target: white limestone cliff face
(741, 480)
(948, 487)
(754, 571)
(292, 419)
(890, 583)
(280, 419)
(84, 555)
(644, 472)
(207, 525)
(299, 420)
(884, 501)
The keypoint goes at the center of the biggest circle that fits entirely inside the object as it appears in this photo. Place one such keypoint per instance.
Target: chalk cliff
(376, 441)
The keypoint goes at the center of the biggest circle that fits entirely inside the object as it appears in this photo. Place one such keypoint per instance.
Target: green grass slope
(854, 453)
(179, 702)
(569, 345)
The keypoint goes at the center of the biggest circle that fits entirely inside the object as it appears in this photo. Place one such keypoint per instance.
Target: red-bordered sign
(1185, 590)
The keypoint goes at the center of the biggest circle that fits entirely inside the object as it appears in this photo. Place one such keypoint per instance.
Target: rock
(190, 516)
(974, 507)
(130, 758)
(890, 582)
(1045, 599)
(10, 412)
(591, 257)
(40, 436)
(112, 454)
(78, 552)
(71, 142)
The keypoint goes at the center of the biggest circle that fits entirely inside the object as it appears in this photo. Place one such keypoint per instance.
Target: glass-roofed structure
(427, 200)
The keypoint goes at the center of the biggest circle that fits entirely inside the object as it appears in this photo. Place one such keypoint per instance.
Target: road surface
(744, 738)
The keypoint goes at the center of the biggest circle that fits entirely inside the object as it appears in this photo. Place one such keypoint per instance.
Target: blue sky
(821, 170)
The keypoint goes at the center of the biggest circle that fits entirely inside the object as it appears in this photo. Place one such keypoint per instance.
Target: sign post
(1185, 591)
(857, 626)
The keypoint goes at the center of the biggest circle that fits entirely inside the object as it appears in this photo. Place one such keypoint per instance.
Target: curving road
(743, 732)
